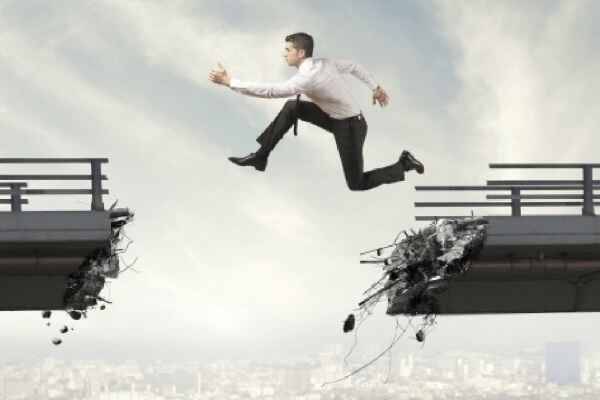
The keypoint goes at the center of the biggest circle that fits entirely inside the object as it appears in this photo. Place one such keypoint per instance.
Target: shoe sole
(260, 167)
(416, 164)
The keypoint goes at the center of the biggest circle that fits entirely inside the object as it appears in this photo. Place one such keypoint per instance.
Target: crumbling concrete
(422, 264)
(84, 286)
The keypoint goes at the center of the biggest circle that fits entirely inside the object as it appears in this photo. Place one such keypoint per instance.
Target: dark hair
(302, 41)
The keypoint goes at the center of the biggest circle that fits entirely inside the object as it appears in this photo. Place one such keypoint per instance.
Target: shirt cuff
(235, 83)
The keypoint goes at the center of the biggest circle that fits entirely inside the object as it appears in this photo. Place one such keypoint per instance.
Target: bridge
(39, 250)
(529, 263)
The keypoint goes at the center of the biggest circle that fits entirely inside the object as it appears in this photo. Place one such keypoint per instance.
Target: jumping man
(330, 107)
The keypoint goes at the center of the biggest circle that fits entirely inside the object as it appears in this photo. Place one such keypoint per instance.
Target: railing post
(515, 202)
(15, 197)
(97, 204)
(588, 191)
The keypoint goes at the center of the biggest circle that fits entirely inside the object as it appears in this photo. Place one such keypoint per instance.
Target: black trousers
(349, 134)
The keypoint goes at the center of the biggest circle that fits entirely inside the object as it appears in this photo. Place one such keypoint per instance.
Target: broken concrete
(421, 265)
(84, 286)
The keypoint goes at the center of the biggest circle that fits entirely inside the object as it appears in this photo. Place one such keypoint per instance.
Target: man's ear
(302, 53)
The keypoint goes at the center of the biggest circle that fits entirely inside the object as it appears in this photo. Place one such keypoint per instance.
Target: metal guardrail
(17, 189)
(516, 187)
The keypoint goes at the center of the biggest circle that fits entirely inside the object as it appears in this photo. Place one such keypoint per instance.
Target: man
(331, 108)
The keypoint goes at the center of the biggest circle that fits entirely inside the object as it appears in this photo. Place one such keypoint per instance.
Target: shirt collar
(306, 64)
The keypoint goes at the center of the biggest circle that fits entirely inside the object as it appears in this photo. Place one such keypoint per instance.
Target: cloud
(528, 75)
(128, 79)
(189, 44)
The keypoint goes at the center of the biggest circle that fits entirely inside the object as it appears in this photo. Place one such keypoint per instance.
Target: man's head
(298, 46)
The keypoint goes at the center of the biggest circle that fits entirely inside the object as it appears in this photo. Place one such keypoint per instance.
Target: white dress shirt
(319, 79)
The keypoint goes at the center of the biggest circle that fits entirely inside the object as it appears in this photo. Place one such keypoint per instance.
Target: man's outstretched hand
(380, 96)
(219, 76)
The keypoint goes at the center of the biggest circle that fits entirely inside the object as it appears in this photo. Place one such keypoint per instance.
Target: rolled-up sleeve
(293, 86)
(357, 70)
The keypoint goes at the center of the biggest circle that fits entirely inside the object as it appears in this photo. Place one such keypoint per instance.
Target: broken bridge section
(41, 250)
(529, 263)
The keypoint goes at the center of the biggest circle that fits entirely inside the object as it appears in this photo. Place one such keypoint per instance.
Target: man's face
(292, 56)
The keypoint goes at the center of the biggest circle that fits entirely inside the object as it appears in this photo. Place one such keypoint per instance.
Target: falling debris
(420, 266)
(76, 315)
(349, 323)
(417, 270)
(85, 285)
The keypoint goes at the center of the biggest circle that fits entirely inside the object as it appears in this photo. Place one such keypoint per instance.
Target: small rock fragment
(76, 315)
(102, 307)
(56, 341)
(46, 314)
(64, 329)
(420, 335)
(349, 323)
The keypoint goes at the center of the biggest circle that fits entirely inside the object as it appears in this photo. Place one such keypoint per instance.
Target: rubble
(422, 264)
(84, 286)
(349, 323)
(76, 315)
(418, 269)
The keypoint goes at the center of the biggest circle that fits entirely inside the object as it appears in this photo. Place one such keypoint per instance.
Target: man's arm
(357, 70)
(289, 88)
(379, 95)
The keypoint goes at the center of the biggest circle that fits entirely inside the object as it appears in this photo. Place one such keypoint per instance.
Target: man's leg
(304, 110)
(350, 137)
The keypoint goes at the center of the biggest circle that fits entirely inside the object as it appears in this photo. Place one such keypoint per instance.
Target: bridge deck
(531, 264)
(39, 249)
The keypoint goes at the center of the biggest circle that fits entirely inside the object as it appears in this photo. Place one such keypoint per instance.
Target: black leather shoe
(410, 162)
(252, 159)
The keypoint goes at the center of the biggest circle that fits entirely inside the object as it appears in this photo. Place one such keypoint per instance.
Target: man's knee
(355, 185)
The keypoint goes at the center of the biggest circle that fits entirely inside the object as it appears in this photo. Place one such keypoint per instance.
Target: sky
(237, 263)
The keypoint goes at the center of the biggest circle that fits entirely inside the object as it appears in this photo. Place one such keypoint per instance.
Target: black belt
(357, 117)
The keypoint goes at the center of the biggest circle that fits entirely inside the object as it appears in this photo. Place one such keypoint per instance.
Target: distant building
(563, 363)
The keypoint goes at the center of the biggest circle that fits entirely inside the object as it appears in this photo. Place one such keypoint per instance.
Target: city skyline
(519, 374)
